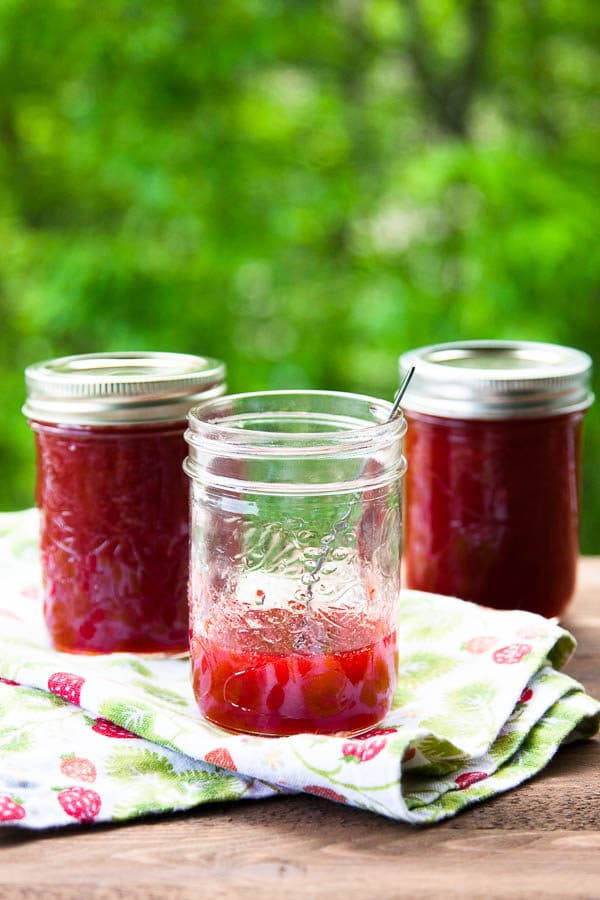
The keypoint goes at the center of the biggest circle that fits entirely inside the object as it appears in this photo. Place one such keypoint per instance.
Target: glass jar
(295, 560)
(113, 497)
(492, 491)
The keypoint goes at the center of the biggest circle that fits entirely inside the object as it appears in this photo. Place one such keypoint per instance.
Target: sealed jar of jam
(113, 496)
(492, 490)
(295, 560)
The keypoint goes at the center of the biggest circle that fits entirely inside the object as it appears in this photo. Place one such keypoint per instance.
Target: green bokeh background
(304, 189)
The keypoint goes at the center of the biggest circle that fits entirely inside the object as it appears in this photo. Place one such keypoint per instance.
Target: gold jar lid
(120, 388)
(497, 380)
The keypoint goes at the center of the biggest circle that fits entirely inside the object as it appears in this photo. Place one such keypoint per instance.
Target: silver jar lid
(120, 388)
(497, 380)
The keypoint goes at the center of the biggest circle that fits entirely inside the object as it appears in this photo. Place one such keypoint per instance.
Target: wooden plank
(304, 849)
(543, 838)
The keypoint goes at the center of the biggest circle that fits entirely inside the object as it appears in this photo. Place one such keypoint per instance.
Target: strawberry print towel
(480, 707)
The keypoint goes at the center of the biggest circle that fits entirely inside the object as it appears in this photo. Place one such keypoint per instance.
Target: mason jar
(493, 484)
(113, 497)
(295, 560)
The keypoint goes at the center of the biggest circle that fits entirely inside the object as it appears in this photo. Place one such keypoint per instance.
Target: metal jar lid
(120, 388)
(497, 380)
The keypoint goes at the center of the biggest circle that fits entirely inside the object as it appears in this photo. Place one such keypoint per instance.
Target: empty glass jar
(295, 560)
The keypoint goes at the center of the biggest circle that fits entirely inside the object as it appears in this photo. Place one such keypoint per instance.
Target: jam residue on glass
(114, 537)
(252, 677)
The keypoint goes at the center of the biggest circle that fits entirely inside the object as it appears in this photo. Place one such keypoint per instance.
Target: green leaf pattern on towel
(462, 726)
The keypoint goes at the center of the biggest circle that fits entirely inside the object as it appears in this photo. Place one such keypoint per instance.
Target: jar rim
(213, 441)
(206, 425)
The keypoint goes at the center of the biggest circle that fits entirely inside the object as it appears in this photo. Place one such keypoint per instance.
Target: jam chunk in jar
(113, 497)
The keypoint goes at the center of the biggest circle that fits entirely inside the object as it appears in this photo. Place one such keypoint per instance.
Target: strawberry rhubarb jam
(295, 560)
(493, 483)
(114, 537)
(113, 497)
(242, 683)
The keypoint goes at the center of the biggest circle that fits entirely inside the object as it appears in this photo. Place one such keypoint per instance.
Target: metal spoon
(309, 579)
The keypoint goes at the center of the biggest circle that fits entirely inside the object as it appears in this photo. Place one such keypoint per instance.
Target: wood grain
(542, 839)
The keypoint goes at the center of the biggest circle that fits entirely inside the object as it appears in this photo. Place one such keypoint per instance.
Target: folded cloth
(480, 707)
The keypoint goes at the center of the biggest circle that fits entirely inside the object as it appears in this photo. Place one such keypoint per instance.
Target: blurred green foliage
(304, 188)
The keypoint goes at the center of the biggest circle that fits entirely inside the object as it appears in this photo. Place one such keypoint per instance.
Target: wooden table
(542, 839)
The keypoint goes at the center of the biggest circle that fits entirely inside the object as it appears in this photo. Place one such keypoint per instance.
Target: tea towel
(481, 705)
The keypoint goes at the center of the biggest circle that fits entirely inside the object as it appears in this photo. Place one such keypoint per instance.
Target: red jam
(243, 684)
(114, 537)
(492, 509)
